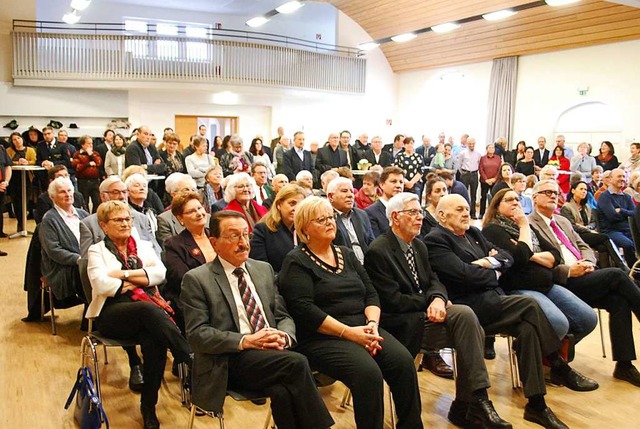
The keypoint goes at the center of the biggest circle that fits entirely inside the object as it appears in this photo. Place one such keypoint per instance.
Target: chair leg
(513, 365)
(185, 391)
(192, 416)
(454, 362)
(42, 307)
(604, 353)
(221, 420)
(392, 410)
(87, 342)
(106, 357)
(54, 331)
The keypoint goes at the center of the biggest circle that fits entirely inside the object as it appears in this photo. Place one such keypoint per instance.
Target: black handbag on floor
(89, 412)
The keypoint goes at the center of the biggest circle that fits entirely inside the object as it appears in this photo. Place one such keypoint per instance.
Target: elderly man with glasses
(607, 288)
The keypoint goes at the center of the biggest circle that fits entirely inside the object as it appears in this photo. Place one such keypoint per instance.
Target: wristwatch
(126, 275)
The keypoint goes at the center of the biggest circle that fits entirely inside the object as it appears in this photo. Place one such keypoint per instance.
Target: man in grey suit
(112, 188)
(241, 333)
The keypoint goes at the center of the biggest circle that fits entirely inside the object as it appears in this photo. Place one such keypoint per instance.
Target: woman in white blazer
(124, 275)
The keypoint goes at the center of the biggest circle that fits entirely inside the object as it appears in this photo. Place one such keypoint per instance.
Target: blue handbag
(89, 412)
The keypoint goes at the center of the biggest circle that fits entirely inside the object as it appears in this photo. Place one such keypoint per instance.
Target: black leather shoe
(489, 351)
(481, 414)
(629, 374)
(544, 418)
(31, 318)
(574, 381)
(437, 365)
(149, 419)
(136, 380)
(458, 414)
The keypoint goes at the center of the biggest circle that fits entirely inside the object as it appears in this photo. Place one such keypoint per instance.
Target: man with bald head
(331, 157)
(142, 152)
(615, 208)
(470, 266)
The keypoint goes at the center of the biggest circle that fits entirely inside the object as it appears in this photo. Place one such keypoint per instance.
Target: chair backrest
(635, 234)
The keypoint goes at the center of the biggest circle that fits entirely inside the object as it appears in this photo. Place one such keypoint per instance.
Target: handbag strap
(86, 376)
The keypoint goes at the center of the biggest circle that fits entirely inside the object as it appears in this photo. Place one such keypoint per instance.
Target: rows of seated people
(256, 285)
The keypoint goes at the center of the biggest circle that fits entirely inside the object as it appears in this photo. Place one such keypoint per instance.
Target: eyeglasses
(549, 193)
(413, 212)
(121, 220)
(324, 220)
(510, 200)
(117, 193)
(243, 187)
(235, 237)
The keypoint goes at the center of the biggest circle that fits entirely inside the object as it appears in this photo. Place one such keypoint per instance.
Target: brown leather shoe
(437, 365)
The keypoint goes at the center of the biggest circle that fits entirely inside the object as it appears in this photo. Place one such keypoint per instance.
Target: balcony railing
(40, 54)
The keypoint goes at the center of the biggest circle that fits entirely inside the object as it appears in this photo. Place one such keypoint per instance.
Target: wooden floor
(37, 371)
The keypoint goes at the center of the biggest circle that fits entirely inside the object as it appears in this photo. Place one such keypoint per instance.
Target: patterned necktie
(565, 240)
(256, 320)
(411, 260)
(262, 195)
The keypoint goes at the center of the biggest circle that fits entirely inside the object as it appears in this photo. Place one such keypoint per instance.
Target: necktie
(411, 260)
(565, 240)
(256, 320)
(262, 196)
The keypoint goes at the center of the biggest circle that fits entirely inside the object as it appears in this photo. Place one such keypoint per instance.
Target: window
(135, 26)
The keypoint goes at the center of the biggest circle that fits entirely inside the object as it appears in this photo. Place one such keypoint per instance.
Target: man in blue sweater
(615, 208)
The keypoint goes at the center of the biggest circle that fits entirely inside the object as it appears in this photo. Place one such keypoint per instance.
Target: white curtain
(502, 97)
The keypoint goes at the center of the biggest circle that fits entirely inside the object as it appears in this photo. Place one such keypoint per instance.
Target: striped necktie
(256, 319)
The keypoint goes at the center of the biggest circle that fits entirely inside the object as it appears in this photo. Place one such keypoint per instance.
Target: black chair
(255, 397)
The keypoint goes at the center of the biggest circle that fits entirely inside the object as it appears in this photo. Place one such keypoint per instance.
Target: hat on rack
(55, 124)
(73, 125)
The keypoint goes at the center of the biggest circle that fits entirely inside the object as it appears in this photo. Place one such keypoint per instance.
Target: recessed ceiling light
(501, 14)
(292, 6)
(71, 18)
(368, 46)
(401, 38)
(257, 21)
(80, 4)
(560, 2)
(443, 28)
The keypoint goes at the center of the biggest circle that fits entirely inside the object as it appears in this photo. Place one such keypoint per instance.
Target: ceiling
(535, 30)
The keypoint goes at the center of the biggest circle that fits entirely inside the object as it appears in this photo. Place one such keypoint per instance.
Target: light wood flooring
(37, 371)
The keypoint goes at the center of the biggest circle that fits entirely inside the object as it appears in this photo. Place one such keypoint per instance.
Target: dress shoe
(136, 380)
(627, 373)
(3, 253)
(573, 380)
(489, 351)
(481, 414)
(437, 365)
(458, 413)
(31, 318)
(149, 419)
(544, 418)
(3, 235)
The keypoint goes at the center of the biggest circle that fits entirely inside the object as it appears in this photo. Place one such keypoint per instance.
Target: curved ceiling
(535, 30)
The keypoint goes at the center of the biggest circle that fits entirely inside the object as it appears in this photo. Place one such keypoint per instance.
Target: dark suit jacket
(269, 246)
(163, 155)
(403, 306)
(134, 155)
(427, 156)
(386, 159)
(361, 224)
(541, 162)
(353, 154)
(467, 283)
(181, 254)
(60, 254)
(293, 165)
(324, 163)
(561, 271)
(377, 213)
(213, 327)
(59, 155)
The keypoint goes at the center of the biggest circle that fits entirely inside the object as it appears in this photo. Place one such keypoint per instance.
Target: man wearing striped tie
(241, 332)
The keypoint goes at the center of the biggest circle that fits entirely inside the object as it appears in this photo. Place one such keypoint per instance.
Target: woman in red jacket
(87, 164)
(563, 165)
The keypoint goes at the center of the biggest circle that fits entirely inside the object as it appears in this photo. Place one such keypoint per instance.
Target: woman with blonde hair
(274, 236)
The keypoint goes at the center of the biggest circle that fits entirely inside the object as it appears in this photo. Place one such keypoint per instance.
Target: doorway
(187, 125)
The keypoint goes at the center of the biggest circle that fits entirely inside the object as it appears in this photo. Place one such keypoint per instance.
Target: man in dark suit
(541, 155)
(297, 158)
(608, 288)
(396, 147)
(353, 226)
(377, 156)
(352, 155)
(362, 145)
(470, 266)
(426, 150)
(141, 152)
(414, 309)
(391, 183)
(331, 157)
(103, 147)
(49, 153)
(241, 333)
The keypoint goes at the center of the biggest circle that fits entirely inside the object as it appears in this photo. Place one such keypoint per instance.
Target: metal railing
(44, 55)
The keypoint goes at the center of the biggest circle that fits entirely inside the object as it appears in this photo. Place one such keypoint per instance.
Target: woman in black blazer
(173, 159)
(274, 236)
(187, 250)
